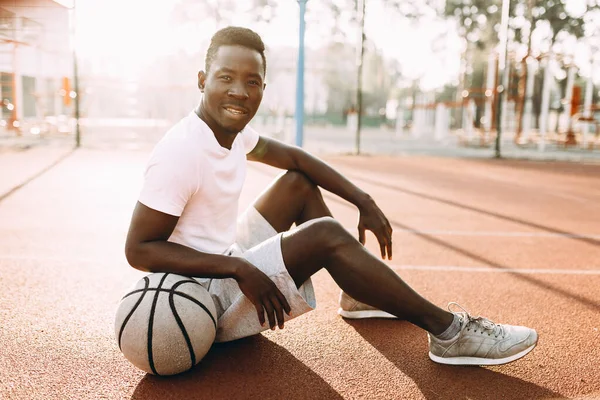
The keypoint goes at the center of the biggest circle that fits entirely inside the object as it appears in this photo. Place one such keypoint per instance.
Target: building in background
(36, 65)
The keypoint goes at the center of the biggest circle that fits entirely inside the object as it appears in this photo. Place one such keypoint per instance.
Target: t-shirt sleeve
(171, 178)
(249, 138)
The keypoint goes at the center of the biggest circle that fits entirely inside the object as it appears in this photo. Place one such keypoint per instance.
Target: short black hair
(235, 36)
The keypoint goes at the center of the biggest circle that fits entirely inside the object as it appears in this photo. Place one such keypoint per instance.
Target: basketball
(166, 323)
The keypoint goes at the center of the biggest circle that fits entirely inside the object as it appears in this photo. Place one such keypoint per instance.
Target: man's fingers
(382, 248)
(388, 242)
(278, 311)
(361, 235)
(381, 239)
(385, 245)
(284, 302)
(261, 313)
(270, 312)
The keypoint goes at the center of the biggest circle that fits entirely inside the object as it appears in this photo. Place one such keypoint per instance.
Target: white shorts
(260, 244)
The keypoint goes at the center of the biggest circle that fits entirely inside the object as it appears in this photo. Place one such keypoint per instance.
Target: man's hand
(262, 292)
(372, 218)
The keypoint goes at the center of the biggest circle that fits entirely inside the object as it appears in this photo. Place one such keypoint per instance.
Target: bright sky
(136, 31)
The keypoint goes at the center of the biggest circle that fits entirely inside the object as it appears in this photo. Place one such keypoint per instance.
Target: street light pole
(75, 75)
(300, 78)
(359, 94)
(502, 69)
(76, 87)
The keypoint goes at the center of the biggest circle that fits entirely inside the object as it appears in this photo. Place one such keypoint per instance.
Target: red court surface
(515, 241)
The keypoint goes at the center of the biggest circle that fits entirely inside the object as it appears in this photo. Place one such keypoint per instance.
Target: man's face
(233, 88)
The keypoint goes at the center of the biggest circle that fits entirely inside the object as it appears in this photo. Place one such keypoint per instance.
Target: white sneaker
(354, 309)
(482, 342)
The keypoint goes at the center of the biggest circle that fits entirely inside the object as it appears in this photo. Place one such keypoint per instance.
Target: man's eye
(254, 83)
(225, 78)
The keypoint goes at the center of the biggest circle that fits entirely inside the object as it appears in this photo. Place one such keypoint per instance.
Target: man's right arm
(147, 248)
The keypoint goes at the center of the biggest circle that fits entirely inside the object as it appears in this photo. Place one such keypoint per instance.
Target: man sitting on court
(260, 264)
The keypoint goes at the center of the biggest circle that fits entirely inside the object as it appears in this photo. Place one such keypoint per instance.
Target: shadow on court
(590, 303)
(264, 370)
(570, 235)
(408, 352)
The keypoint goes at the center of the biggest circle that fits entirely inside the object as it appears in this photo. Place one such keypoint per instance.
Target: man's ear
(201, 80)
(264, 86)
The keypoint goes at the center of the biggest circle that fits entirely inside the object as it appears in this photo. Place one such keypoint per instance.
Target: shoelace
(480, 324)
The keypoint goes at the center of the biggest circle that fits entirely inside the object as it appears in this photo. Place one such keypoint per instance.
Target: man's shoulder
(249, 137)
(184, 134)
(185, 128)
(180, 142)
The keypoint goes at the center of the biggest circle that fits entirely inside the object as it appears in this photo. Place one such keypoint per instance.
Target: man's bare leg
(321, 242)
(291, 199)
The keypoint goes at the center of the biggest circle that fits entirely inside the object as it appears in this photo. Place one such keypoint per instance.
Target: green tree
(479, 20)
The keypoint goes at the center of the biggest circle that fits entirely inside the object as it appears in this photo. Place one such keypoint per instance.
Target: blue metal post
(503, 72)
(300, 79)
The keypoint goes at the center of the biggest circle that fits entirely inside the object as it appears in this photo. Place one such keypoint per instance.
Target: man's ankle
(452, 330)
(438, 324)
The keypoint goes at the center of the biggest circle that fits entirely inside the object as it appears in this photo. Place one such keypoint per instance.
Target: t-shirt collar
(209, 134)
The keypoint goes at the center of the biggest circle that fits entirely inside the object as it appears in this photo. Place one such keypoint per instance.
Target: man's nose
(238, 90)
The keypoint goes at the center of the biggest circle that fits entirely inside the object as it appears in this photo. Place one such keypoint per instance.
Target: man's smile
(236, 110)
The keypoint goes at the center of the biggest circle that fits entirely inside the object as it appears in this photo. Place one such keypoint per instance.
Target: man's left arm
(283, 156)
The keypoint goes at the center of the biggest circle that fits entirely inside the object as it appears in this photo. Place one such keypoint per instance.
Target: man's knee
(298, 183)
(329, 233)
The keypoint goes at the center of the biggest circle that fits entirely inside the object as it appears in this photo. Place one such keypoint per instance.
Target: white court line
(533, 271)
(437, 268)
(500, 234)
(103, 261)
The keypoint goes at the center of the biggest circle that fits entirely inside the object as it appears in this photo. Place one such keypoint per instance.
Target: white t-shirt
(191, 176)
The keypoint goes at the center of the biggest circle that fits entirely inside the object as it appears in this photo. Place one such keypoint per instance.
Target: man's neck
(225, 139)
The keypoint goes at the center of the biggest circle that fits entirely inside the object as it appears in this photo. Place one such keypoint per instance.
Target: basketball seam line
(147, 283)
(180, 323)
(151, 324)
(193, 300)
(157, 288)
(182, 294)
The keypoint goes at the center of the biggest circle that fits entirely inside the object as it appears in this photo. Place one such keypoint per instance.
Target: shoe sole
(365, 314)
(479, 360)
